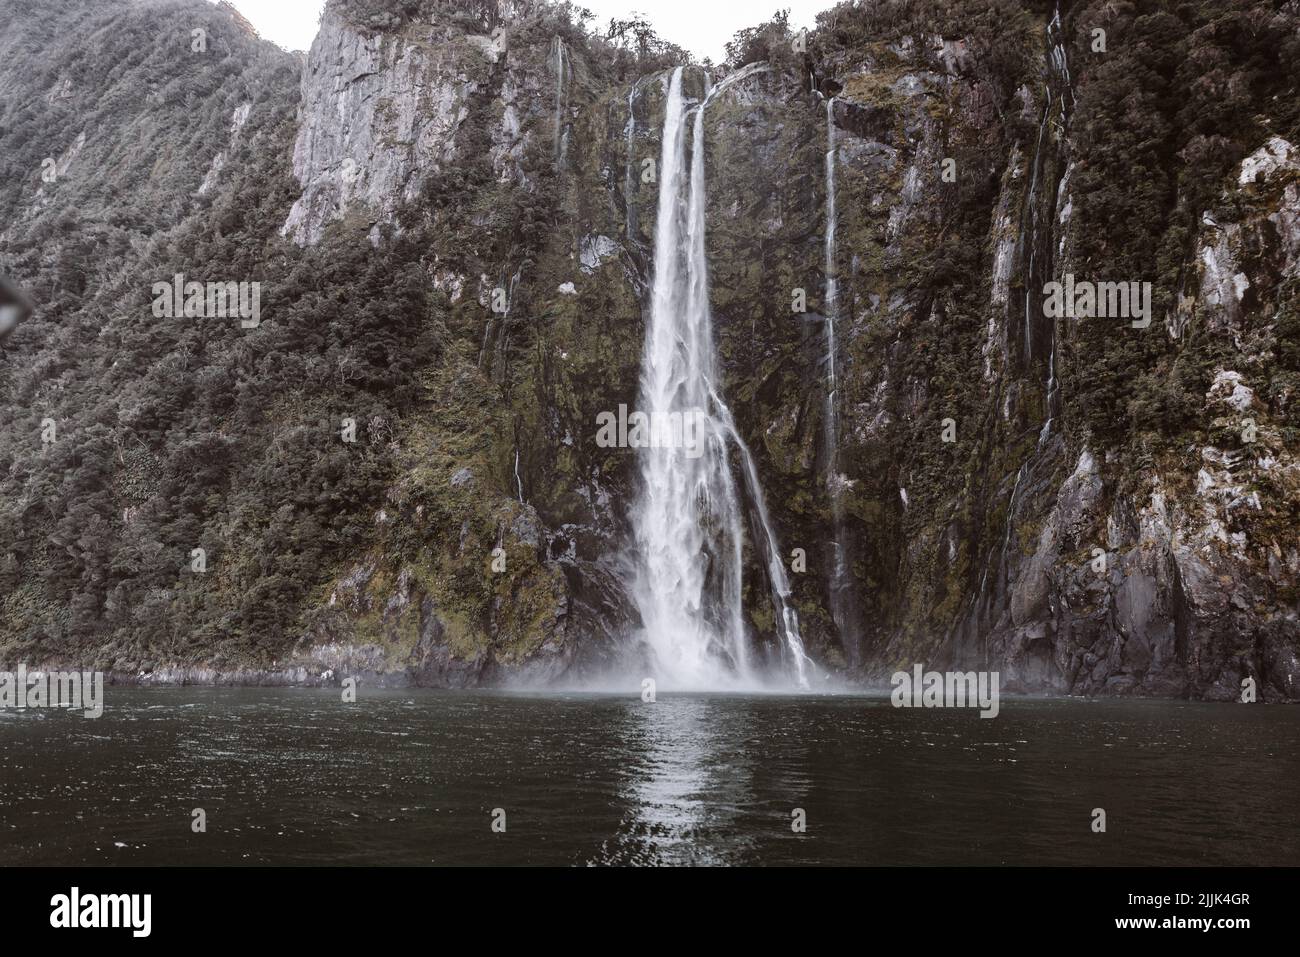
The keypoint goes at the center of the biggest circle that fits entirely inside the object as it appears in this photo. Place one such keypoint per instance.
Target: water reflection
(290, 777)
(684, 779)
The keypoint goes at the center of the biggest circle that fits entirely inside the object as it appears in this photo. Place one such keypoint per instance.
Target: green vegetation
(473, 428)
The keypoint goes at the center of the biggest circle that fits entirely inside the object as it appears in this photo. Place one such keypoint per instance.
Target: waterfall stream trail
(687, 519)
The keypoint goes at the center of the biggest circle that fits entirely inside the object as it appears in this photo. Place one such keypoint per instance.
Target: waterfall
(1037, 241)
(745, 71)
(629, 174)
(1029, 232)
(832, 295)
(491, 358)
(839, 587)
(1059, 70)
(687, 519)
(561, 130)
(1060, 61)
(1040, 267)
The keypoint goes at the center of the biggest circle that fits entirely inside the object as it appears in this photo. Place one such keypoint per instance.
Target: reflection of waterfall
(686, 783)
(687, 519)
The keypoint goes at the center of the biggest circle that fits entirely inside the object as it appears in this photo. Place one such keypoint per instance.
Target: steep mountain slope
(137, 439)
(1100, 524)
(450, 210)
(172, 435)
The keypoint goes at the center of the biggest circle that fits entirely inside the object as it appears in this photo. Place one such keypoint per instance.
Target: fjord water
(294, 776)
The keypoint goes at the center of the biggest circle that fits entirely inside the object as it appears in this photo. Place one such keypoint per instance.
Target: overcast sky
(701, 26)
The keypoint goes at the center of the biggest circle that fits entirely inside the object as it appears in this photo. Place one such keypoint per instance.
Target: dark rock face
(1112, 510)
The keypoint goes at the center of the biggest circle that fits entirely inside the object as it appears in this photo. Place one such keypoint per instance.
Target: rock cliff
(451, 207)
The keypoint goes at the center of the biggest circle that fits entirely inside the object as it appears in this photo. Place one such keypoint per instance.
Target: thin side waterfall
(830, 416)
(561, 129)
(497, 330)
(1059, 71)
(1038, 241)
(1030, 230)
(1041, 220)
(736, 77)
(1053, 393)
(778, 581)
(629, 174)
(1060, 65)
(687, 520)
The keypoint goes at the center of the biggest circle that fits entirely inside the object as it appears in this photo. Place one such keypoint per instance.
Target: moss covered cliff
(450, 207)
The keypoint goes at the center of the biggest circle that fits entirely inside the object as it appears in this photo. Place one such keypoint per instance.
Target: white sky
(701, 26)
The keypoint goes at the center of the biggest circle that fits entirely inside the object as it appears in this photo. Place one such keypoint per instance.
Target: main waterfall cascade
(687, 520)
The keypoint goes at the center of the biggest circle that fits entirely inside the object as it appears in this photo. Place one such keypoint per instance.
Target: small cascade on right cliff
(561, 128)
(840, 586)
(687, 520)
(1040, 206)
(1039, 333)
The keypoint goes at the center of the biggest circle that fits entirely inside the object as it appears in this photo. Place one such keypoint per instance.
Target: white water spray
(687, 520)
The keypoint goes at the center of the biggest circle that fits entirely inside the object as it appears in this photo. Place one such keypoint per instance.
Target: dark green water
(297, 777)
